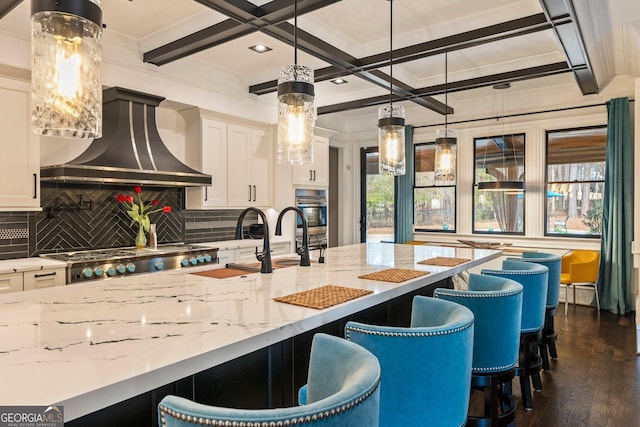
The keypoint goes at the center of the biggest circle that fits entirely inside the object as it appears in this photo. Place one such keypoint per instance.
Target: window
(434, 206)
(498, 158)
(575, 181)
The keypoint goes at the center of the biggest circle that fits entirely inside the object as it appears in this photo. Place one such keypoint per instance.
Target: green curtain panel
(403, 217)
(616, 261)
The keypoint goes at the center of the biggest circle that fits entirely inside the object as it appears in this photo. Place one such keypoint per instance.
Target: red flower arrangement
(140, 211)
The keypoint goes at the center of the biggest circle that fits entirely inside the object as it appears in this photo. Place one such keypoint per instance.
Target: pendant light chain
(295, 38)
(391, 56)
(446, 102)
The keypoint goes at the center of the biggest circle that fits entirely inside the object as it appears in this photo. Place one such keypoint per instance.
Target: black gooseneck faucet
(265, 256)
(303, 250)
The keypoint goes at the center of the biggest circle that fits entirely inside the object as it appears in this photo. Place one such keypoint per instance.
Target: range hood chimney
(130, 151)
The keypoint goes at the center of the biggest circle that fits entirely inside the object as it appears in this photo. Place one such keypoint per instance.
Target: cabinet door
(20, 160)
(207, 152)
(45, 278)
(11, 282)
(239, 186)
(261, 167)
(317, 172)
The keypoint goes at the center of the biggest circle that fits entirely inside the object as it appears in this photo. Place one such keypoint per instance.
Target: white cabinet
(20, 160)
(250, 164)
(317, 172)
(34, 279)
(206, 151)
(11, 282)
(45, 278)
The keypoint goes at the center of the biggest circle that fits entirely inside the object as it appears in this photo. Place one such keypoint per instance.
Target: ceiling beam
(492, 33)
(338, 58)
(245, 18)
(474, 83)
(562, 15)
(7, 6)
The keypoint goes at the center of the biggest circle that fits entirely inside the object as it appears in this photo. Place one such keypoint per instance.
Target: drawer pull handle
(53, 273)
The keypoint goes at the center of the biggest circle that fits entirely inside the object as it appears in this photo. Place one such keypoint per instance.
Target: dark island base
(267, 378)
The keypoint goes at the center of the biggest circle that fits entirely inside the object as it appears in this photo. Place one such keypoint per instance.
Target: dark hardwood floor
(595, 380)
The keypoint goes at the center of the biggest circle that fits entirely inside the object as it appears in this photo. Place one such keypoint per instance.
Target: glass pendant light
(391, 125)
(445, 163)
(296, 111)
(507, 186)
(66, 55)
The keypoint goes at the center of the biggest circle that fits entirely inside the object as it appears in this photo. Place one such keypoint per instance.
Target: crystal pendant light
(296, 111)
(445, 163)
(391, 125)
(66, 54)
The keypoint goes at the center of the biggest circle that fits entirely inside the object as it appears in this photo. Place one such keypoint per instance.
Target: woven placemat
(395, 275)
(324, 296)
(444, 261)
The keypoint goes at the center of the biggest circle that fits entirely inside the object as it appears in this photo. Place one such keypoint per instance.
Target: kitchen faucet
(303, 250)
(265, 256)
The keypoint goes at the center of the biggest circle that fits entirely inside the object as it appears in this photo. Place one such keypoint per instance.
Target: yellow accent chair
(580, 269)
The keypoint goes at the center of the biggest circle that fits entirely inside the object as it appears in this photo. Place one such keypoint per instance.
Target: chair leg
(597, 298)
(551, 336)
(566, 298)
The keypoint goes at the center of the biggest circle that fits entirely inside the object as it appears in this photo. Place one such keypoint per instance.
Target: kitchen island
(89, 346)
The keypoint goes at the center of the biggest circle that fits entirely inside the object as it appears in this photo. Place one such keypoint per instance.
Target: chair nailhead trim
(494, 368)
(512, 272)
(479, 294)
(407, 334)
(164, 411)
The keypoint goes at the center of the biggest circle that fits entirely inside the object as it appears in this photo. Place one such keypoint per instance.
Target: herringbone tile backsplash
(75, 218)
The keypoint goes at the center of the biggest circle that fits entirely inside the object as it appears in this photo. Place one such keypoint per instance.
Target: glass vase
(141, 239)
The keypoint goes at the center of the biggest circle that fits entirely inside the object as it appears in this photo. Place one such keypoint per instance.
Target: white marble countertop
(28, 264)
(89, 345)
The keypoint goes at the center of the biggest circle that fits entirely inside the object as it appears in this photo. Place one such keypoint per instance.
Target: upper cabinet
(206, 151)
(250, 163)
(316, 173)
(239, 158)
(20, 160)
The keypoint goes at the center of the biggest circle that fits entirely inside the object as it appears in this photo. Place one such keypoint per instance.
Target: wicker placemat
(395, 275)
(444, 261)
(323, 297)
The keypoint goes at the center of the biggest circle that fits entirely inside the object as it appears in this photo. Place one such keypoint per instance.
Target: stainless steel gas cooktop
(116, 262)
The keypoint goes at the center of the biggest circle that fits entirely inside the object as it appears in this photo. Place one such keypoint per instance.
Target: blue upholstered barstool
(342, 390)
(496, 304)
(426, 368)
(549, 336)
(534, 279)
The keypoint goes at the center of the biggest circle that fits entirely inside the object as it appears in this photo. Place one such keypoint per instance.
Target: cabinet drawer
(44, 278)
(11, 282)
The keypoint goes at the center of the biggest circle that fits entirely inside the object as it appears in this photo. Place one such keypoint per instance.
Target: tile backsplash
(77, 217)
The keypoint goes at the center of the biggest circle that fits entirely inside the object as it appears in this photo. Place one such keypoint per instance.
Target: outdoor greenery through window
(434, 206)
(498, 158)
(575, 181)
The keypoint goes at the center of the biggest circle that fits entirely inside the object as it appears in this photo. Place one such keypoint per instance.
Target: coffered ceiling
(528, 43)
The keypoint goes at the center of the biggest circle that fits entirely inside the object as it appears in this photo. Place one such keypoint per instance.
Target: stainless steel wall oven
(313, 203)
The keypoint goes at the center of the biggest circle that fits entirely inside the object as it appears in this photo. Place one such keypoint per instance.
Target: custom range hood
(130, 151)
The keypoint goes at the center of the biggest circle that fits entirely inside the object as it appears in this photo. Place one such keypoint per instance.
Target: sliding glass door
(377, 202)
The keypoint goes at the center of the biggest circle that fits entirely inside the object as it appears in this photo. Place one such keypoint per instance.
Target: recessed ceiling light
(339, 81)
(260, 48)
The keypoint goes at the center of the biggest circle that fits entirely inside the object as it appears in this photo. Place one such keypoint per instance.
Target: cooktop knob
(98, 271)
(87, 272)
(131, 267)
(159, 265)
(111, 271)
(121, 268)
(200, 259)
(193, 260)
(207, 258)
(184, 262)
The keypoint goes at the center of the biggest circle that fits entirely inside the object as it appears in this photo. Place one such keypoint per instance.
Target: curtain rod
(518, 114)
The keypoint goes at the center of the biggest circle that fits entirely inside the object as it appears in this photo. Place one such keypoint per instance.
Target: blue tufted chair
(534, 279)
(549, 336)
(342, 389)
(496, 304)
(426, 368)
